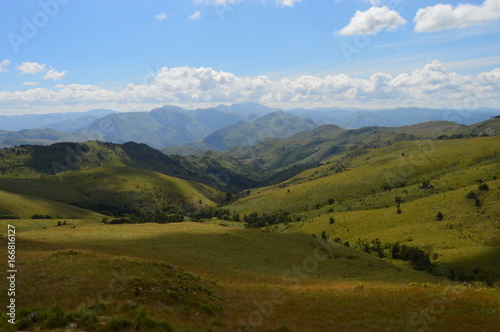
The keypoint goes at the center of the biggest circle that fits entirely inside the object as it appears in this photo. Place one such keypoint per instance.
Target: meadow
(207, 277)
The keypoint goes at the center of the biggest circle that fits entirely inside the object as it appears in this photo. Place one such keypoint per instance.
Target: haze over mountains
(218, 128)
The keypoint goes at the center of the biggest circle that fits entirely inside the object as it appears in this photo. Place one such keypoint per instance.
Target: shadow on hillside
(235, 254)
(482, 267)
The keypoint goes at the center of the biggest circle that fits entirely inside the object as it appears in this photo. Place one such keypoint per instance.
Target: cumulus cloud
(372, 21)
(161, 16)
(54, 75)
(429, 86)
(195, 16)
(446, 17)
(3, 66)
(30, 83)
(31, 67)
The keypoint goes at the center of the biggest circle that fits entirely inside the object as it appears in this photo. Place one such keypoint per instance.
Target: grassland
(219, 276)
(205, 277)
(111, 186)
(363, 197)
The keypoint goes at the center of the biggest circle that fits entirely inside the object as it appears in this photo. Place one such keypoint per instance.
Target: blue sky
(75, 55)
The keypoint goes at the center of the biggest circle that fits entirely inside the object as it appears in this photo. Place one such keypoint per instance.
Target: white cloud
(287, 3)
(446, 17)
(31, 67)
(429, 86)
(51, 74)
(372, 21)
(3, 66)
(195, 16)
(30, 83)
(161, 16)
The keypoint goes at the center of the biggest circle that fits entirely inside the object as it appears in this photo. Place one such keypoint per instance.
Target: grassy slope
(448, 164)
(329, 298)
(24, 206)
(362, 209)
(110, 185)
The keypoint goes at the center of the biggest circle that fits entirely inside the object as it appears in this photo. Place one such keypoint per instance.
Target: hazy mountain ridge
(275, 125)
(215, 128)
(35, 136)
(65, 122)
(164, 126)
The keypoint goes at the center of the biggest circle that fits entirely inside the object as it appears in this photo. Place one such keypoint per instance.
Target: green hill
(25, 206)
(362, 186)
(309, 148)
(115, 190)
(36, 161)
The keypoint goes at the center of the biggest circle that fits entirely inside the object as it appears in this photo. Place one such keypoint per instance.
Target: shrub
(87, 319)
(471, 195)
(332, 220)
(118, 323)
(40, 216)
(439, 216)
(56, 318)
(484, 187)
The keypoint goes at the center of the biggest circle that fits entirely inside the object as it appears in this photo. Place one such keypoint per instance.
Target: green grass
(363, 209)
(120, 186)
(447, 164)
(25, 206)
(221, 278)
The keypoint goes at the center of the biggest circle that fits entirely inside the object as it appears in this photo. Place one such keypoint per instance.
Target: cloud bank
(429, 86)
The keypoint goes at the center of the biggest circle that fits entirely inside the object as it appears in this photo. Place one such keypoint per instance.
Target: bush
(9, 216)
(56, 318)
(439, 216)
(253, 220)
(471, 195)
(484, 187)
(332, 221)
(87, 319)
(118, 323)
(41, 216)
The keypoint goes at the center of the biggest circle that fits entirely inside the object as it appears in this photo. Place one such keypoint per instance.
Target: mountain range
(219, 128)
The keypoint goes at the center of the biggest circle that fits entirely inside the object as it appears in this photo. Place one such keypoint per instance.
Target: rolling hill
(394, 194)
(176, 277)
(117, 190)
(365, 209)
(36, 161)
(308, 148)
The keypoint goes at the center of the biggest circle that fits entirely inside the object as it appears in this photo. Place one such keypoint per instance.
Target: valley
(379, 228)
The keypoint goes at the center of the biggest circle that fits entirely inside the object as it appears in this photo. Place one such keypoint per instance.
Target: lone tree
(439, 216)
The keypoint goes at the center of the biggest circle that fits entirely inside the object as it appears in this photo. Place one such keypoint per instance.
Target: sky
(76, 55)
